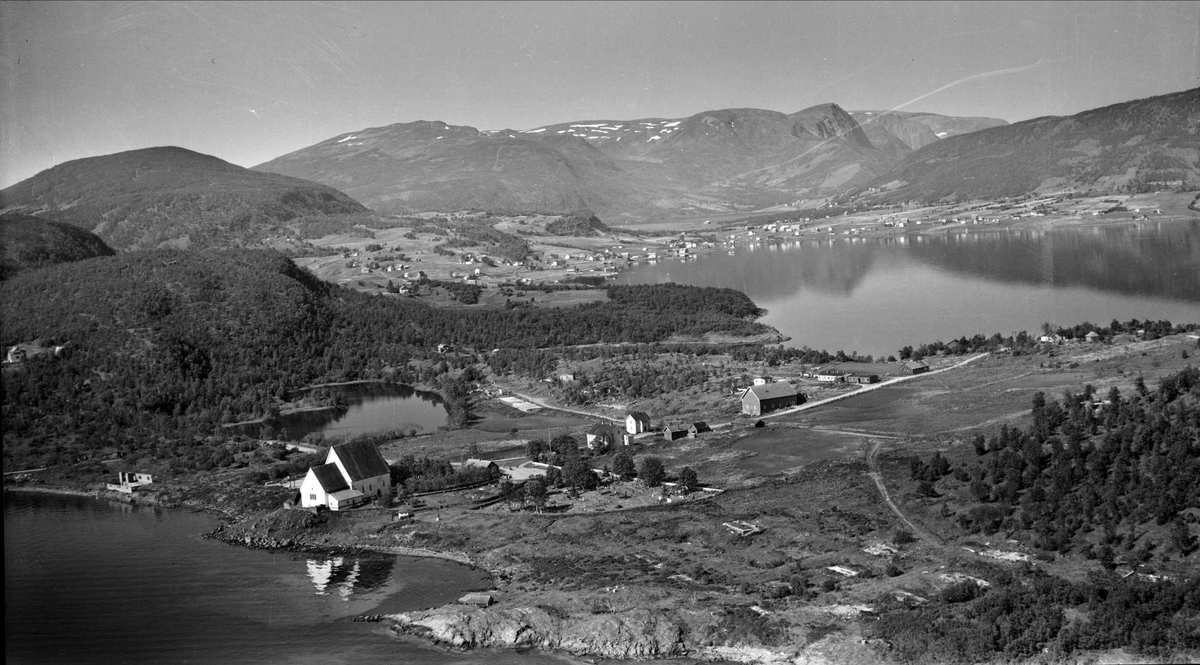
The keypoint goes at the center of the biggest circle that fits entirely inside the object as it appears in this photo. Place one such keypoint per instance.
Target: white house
(353, 473)
(637, 422)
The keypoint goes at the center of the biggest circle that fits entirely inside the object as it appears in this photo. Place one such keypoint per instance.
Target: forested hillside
(30, 242)
(162, 347)
(1113, 477)
(173, 197)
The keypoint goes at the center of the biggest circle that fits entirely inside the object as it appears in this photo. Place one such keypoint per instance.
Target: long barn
(757, 400)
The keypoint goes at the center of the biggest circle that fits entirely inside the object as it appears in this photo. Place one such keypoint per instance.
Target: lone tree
(579, 475)
(623, 466)
(536, 449)
(652, 471)
(536, 492)
(688, 479)
(512, 495)
(565, 446)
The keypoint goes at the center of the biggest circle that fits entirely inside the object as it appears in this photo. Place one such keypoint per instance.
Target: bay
(93, 581)
(875, 295)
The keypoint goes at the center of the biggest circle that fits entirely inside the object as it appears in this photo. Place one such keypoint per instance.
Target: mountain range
(648, 168)
(722, 161)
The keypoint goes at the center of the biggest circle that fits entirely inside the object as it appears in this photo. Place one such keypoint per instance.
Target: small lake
(876, 295)
(371, 407)
(90, 581)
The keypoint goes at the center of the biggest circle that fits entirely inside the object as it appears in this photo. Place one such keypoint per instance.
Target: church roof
(361, 460)
(329, 476)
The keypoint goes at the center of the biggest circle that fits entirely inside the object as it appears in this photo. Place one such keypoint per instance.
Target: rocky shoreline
(633, 635)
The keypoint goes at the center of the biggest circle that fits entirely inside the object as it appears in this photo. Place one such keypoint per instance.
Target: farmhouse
(831, 376)
(352, 474)
(601, 436)
(757, 400)
(914, 367)
(637, 422)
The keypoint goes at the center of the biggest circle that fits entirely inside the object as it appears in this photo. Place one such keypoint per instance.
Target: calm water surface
(371, 407)
(875, 295)
(88, 581)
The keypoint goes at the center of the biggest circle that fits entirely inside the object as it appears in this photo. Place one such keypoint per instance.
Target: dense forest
(28, 243)
(577, 224)
(1113, 477)
(1093, 472)
(162, 347)
(1034, 617)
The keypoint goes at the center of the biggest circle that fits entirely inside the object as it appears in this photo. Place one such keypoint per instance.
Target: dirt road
(873, 463)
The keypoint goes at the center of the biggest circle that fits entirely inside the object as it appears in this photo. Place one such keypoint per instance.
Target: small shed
(478, 599)
(914, 367)
(698, 428)
(673, 432)
(1092, 336)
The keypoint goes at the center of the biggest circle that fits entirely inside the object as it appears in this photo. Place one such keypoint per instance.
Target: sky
(248, 82)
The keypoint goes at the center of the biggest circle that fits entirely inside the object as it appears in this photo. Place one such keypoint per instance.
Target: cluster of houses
(840, 376)
(1092, 337)
(602, 435)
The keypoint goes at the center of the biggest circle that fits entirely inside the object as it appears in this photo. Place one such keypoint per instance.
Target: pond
(370, 408)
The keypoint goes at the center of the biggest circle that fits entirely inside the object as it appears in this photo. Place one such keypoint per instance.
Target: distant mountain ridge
(918, 129)
(170, 196)
(1153, 142)
(719, 160)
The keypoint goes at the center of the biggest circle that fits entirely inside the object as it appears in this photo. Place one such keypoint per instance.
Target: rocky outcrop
(633, 635)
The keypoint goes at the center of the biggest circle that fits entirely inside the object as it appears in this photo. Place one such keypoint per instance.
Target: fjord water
(876, 295)
(90, 581)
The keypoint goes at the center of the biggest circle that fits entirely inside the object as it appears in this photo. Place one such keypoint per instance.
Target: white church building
(352, 474)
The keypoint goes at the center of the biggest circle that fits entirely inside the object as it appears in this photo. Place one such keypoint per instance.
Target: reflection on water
(874, 295)
(370, 407)
(346, 577)
(1160, 259)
